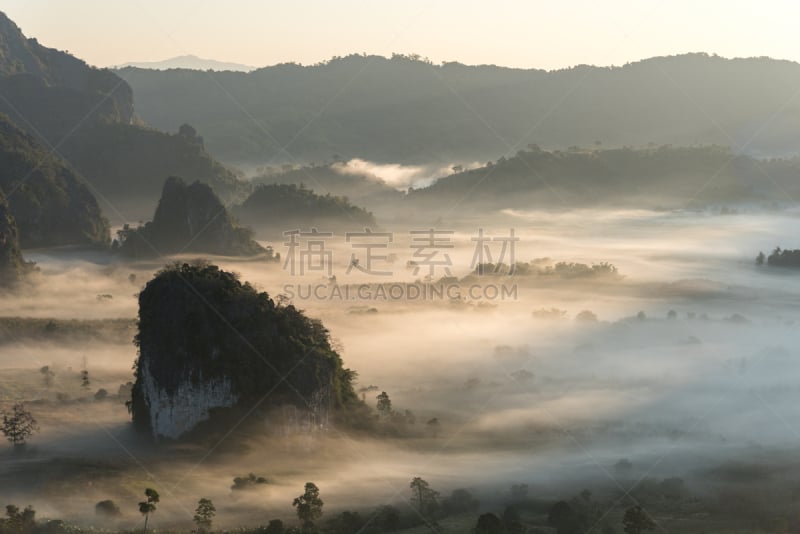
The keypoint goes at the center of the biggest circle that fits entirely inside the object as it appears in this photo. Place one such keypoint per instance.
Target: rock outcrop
(209, 344)
(189, 218)
(12, 266)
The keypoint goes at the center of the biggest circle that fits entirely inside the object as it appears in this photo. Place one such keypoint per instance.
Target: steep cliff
(189, 218)
(12, 266)
(210, 344)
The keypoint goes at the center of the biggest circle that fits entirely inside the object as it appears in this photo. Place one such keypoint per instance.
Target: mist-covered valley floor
(683, 369)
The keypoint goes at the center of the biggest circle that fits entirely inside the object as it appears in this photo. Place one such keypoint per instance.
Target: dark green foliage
(107, 509)
(50, 93)
(118, 331)
(490, 524)
(18, 521)
(333, 179)
(18, 425)
(287, 206)
(566, 518)
(623, 177)
(402, 109)
(128, 164)
(783, 258)
(198, 322)
(189, 218)
(50, 204)
(460, 501)
(204, 514)
(275, 526)
(424, 497)
(636, 521)
(53, 91)
(384, 405)
(309, 505)
(345, 523)
(248, 482)
(148, 506)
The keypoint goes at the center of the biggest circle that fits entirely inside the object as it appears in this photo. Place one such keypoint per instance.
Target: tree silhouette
(309, 505)
(148, 506)
(490, 524)
(17, 521)
(19, 425)
(424, 495)
(204, 514)
(384, 405)
(637, 521)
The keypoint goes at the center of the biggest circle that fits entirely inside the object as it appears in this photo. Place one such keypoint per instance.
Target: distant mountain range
(406, 110)
(188, 62)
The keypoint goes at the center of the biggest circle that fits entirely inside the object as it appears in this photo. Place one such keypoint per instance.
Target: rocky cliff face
(172, 414)
(12, 266)
(189, 218)
(209, 344)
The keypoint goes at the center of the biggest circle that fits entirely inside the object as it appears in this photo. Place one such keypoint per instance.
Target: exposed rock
(209, 343)
(12, 266)
(189, 218)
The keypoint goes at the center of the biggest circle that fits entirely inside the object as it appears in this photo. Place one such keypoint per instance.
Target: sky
(516, 33)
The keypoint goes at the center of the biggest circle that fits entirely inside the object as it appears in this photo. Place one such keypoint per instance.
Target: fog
(680, 394)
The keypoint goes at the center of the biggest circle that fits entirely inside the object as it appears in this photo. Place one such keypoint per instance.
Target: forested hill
(86, 114)
(649, 177)
(403, 109)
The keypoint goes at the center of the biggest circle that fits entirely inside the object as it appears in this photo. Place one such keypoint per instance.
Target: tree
(204, 514)
(107, 508)
(275, 526)
(47, 375)
(565, 518)
(424, 496)
(148, 506)
(489, 524)
(637, 521)
(18, 522)
(384, 405)
(433, 427)
(19, 425)
(760, 258)
(309, 505)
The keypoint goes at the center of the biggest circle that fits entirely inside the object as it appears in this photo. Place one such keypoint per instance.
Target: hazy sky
(518, 33)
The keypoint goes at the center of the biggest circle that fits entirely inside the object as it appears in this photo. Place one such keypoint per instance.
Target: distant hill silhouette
(281, 207)
(189, 62)
(405, 110)
(663, 176)
(189, 218)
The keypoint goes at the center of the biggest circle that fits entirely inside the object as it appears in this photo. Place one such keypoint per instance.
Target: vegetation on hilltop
(46, 198)
(189, 218)
(198, 322)
(286, 206)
